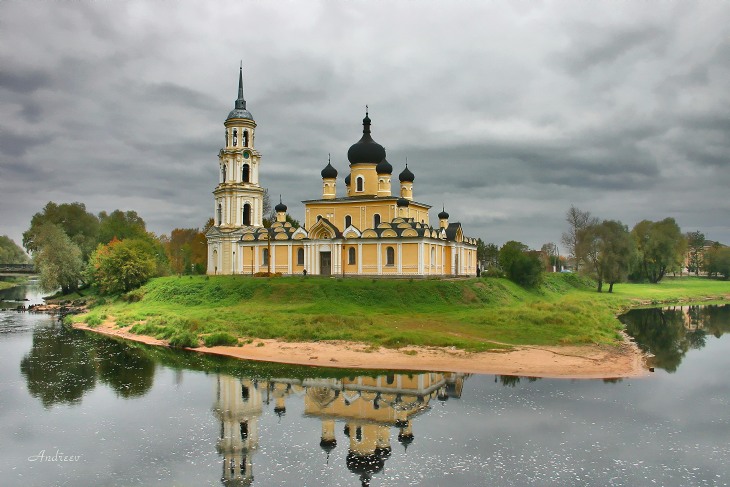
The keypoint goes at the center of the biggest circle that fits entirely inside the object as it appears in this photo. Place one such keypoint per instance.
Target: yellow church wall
(410, 257)
(281, 259)
(370, 177)
(361, 212)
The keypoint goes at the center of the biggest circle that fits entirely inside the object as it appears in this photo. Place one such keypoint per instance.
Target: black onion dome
(366, 150)
(347, 180)
(329, 172)
(443, 215)
(280, 207)
(384, 167)
(406, 175)
(402, 202)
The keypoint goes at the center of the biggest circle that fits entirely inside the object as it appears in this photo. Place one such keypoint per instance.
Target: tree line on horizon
(74, 248)
(608, 252)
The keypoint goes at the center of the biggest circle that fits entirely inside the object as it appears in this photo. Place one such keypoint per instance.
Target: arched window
(220, 214)
(358, 433)
(351, 255)
(376, 220)
(265, 257)
(246, 216)
(223, 173)
(245, 173)
(226, 138)
(403, 191)
(389, 256)
(235, 137)
(245, 138)
(359, 184)
(348, 221)
(300, 257)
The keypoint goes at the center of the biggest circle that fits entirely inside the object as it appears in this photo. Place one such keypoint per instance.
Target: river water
(78, 409)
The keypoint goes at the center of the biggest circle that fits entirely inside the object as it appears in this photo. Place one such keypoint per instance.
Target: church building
(368, 231)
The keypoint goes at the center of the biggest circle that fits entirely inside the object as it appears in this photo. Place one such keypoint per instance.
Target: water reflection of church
(371, 408)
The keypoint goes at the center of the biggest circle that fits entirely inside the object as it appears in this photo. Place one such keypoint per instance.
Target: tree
(695, 251)
(58, 260)
(577, 220)
(121, 266)
(660, 248)
(606, 249)
(519, 264)
(120, 225)
(717, 261)
(10, 253)
(549, 253)
(187, 251)
(79, 225)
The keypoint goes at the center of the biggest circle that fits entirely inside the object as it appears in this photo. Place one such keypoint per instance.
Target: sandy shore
(577, 362)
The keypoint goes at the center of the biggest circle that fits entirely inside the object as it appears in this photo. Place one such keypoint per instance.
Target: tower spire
(240, 102)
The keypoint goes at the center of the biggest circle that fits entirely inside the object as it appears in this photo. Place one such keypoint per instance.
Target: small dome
(329, 172)
(347, 180)
(366, 150)
(443, 215)
(240, 113)
(402, 202)
(280, 207)
(384, 167)
(406, 175)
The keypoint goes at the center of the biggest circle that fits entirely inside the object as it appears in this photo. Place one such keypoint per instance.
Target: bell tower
(238, 196)
(238, 199)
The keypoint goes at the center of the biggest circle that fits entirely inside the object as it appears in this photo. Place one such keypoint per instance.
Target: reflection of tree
(59, 367)
(125, 369)
(512, 380)
(669, 333)
(63, 364)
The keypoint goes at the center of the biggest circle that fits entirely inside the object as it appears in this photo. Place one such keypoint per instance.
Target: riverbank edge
(619, 360)
(567, 362)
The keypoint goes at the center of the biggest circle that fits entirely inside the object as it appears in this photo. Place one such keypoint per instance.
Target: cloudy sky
(508, 112)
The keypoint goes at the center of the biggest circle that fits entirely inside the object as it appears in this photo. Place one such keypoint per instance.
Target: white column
(380, 259)
(272, 257)
(400, 258)
(359, 258)
(289, 258)
(420, 258)
(256, 258)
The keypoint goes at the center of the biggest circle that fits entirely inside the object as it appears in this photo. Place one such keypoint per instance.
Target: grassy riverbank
(474, 314)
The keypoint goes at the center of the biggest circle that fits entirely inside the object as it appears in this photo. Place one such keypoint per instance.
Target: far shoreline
(624, 360)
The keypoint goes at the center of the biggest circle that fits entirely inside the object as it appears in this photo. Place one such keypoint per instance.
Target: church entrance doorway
(325, 263)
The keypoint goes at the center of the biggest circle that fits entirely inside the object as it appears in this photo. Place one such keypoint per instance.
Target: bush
(184, 339)
(220, 338)
(92, 320)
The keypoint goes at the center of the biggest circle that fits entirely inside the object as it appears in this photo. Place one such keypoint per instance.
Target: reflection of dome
(329, 172)
(366, 150)
(384, 167)
(406, 175)
(405, 439)
(365, 465)
(328, 445)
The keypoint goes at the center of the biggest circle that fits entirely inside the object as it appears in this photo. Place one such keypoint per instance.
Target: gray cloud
(507, 113)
